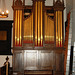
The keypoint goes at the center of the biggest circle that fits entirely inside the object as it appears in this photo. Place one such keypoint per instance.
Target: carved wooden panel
(38, 60)
(30, 59)
(46, 60)
(18, 61)
(59, 62)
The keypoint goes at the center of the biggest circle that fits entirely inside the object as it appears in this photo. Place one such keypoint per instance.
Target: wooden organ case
(38, 38)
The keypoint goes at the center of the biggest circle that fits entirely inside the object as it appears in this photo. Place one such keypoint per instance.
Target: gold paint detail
(61, 26)
(32, 27)
(18, 27)
(38, 23)
(28, 30)
(58, 28)
(15, 27)
(49, 29)
(41, 26)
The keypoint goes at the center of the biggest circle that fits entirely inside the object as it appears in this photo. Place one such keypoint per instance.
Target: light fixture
(3, 11)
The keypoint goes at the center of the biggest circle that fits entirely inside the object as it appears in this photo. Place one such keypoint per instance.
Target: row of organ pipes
(38, 24)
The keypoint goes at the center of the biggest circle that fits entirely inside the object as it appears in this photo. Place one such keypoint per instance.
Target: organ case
(38, 38)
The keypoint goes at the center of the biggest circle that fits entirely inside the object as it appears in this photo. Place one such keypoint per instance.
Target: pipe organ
(38, 23)
(18, 28)
(28, 29)
(49, 28)
(58, 28)
(38, 38)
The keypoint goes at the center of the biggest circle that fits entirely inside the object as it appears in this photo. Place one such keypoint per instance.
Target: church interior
(37, 37)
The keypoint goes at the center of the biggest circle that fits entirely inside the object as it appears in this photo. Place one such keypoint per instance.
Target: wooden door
(38, 61)
(46, 60)
(30, 60)
(59, 62)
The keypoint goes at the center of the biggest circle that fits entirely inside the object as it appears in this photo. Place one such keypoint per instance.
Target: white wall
(69, 4)
(47, 2)
(8, 7)
(3, 59)
(64, 16)
(28, 2)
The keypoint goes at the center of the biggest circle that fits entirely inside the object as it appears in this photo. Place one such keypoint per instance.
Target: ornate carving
(18, 2)
(23, 2)
(58, 5)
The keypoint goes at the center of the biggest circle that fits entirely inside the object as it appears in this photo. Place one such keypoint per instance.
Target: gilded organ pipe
(49, 29)
(18, 27)
(58, 28)
(38, 24)
(28, 29)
